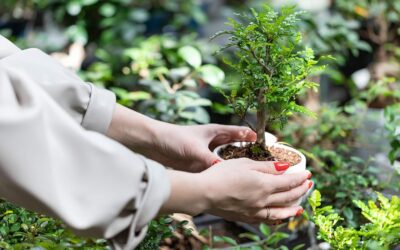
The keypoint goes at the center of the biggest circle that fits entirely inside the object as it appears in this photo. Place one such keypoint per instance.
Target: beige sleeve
(87, 104)
(50, 164)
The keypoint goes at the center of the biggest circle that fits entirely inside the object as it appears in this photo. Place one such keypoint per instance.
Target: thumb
(269, 167)
(209, 158)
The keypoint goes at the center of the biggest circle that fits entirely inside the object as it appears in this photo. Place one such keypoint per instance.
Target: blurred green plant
(382, 231)
(332, 34)
(392, 125)
(169, 73)
(270, 239)
(329, 143)
(161, 229)
(22, 229)
(382, 21)
(115, 22)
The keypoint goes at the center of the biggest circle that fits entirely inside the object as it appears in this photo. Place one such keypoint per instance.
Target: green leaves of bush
(22, 229)
(381, 232)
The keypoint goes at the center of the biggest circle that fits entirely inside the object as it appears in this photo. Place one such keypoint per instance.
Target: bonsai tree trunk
(261, 117)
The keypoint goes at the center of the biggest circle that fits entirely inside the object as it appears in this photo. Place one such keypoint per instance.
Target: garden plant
(380, 232)
(273, 70)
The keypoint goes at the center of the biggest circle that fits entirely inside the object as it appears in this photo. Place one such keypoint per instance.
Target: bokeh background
(157, 57)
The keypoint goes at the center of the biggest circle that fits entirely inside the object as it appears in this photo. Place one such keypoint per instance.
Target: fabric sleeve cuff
(100, 110)
(157, 192)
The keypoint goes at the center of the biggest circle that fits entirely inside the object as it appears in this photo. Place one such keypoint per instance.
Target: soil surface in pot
(259, 153)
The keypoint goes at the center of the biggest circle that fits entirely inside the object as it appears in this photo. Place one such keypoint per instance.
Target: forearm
(136, 131)
(187, 194)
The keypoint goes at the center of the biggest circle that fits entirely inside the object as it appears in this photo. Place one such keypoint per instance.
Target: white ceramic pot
(271, 141)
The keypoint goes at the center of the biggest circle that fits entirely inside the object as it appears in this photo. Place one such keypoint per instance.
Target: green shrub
(382, 231)
(22, 229)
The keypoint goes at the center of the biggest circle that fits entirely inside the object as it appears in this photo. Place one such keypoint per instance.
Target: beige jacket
(55, 158)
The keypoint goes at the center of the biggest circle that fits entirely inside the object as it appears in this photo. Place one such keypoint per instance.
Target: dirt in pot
(259, 153)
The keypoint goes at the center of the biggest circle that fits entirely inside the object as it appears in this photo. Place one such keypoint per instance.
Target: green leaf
(77, 33)
(348, 213)
(191, 55)
(74, 8)
(107, 10)
(265, 230)
(212, 75)
(299, 247)
(225, 239)
(315, 199)
(138, 95)
(250, 236)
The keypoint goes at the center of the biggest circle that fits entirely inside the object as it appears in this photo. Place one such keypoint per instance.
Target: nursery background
(157, 57)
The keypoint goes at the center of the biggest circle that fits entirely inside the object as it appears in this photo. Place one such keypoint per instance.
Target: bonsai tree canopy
(272, 64)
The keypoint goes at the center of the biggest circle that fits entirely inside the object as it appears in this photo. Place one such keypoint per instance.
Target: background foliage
(156, 56)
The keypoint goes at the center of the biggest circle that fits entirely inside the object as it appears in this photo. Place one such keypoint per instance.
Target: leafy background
(157, 57)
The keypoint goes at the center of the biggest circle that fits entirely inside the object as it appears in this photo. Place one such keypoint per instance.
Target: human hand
(189, 148)
(186, 148)
(239, 190)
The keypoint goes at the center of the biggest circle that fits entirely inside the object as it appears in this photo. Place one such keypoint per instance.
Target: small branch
(266, 68)
(242, 115)
(177, 86)
(166, 84)
(250, 126)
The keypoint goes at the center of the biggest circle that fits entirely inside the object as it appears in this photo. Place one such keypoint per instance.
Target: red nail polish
(215, 162)
(281, 166)
(299, 212)
(310, 184)
(309, 175)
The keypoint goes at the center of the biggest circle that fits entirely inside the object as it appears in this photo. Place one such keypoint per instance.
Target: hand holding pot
(240, 190)
(185, 148)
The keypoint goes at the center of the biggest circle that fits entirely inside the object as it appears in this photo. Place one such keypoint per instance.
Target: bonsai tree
(272, 64)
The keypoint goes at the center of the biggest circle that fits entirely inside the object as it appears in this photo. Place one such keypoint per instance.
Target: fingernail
(215, 162)
(310, 184)
(299, 212)
(281, 166)
(309, 175)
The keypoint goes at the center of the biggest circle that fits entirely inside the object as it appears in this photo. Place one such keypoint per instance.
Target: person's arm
(180, 147)
(88, 105)
(186, 148)
(50, 164)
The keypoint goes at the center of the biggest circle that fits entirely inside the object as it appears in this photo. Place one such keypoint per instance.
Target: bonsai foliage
(381, 232)
(272, 65)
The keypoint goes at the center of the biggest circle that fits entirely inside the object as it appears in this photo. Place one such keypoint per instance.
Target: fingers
(278, 213)
(241, 133)
(224, 134)
(289, 197)
(267, 167)
(282, 183)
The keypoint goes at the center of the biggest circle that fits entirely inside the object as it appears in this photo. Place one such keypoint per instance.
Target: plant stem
(261, 116)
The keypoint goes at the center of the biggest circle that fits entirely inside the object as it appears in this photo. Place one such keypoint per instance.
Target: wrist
(187, 194)
(134, 130)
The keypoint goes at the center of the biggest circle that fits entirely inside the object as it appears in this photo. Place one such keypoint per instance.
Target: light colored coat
(56, 160)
